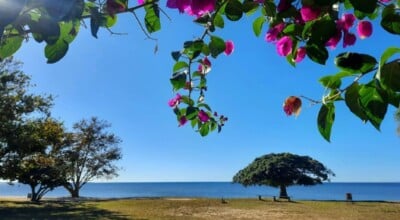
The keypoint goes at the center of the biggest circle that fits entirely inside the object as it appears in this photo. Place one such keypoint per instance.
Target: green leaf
(69, 30)
(269, 8)
(217, 46)
(204, 129)
(178, 81)
(391, 23)
(389, 52)
(317, 53)
(249, 7)
(389, 75)
(205, 50)
(213, 125)
(176, 55)
(257, 25)
(326, 117)
(204, 105)
(10, 45)
(332, 82)
(108, 21)
(390, 20)
(352, 100)
(366, 6)
(322, 30)
(187, 100)
(95, 23)
(347, 5)
(193, 48)
(54, 52)
(179, 66)
(219, 21)
(45, 29)
(191, 112)
(152, 18)
(374, 104)
(234, 10)
(355, 62)
(194, 122)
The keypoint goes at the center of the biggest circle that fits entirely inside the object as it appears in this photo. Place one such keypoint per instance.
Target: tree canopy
(91, 154)
(299, 28)
(283, 170)
(37, 150)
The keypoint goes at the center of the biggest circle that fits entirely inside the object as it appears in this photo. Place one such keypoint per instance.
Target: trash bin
(29, 196)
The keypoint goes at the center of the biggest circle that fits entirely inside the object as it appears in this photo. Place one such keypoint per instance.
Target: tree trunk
(34, 195)
(283, 192)
(75, 193)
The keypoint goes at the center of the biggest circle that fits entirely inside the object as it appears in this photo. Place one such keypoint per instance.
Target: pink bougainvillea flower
(292, 105)
(364, 29)
(308, 13)
(284, 46)
(181, 5)
(182, 120)
(175, 101)
(301, 53)
(204, 66)
(113, 7)
(272, 33)
(385, 1)
(141, 2)
(283, 5)
(229, 47)
(349, 39)
(203, 116)
(200, 7)
(332, 43)
(259, 1)
(346, 22)
(192, 7)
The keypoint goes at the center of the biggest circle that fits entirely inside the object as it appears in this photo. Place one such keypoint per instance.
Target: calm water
(327, 191)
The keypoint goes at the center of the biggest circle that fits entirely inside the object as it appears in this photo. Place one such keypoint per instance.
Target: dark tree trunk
(34, 195)
(283, 192)
(75, 193)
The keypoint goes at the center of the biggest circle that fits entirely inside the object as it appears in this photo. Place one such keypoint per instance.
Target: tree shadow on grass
(15, 210)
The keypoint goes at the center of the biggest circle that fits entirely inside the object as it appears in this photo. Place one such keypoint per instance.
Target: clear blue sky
(119, 78)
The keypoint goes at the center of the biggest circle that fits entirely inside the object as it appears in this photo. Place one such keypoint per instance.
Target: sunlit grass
(199, 209)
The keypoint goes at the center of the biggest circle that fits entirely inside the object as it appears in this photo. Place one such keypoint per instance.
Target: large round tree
(283, 170)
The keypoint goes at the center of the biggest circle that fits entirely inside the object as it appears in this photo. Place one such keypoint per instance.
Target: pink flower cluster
(343, 26)
(192, 7)
(285, 44)
(175, 101)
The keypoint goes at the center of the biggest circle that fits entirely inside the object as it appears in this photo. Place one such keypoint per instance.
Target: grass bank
(197, 209)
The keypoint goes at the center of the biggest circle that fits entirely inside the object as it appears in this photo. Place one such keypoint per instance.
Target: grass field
(165, 208)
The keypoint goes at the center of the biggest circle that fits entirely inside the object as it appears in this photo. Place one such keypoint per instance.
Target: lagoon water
(326, 191)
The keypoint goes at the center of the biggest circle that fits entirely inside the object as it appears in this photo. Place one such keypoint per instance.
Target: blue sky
(119, 78)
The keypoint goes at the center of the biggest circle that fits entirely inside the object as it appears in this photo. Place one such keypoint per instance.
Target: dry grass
(198, 209)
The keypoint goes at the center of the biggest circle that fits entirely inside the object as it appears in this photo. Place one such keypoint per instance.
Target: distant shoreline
(218, 190)
(94, 199)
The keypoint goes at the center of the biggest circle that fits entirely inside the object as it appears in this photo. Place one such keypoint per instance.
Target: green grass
(199, 209)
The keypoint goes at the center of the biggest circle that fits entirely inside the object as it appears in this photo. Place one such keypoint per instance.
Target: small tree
(32, 159)
(283, 170)
(40, 173)
(91, 155)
